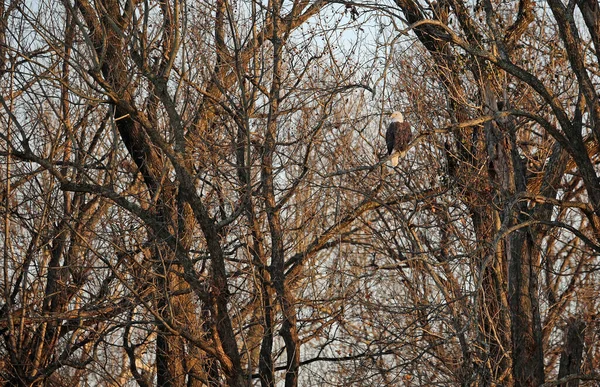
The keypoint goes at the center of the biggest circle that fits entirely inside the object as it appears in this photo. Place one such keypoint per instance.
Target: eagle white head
(397, 117)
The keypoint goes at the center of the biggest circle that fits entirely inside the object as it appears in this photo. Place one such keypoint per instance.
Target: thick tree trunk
(572, 353)
(527, 355)
(507, 168)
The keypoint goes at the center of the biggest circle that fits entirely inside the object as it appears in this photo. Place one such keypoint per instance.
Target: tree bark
(572, 353)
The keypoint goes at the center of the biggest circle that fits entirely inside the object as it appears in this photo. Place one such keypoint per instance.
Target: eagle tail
(394, 159)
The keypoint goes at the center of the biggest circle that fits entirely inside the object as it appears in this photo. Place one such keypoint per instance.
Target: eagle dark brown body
(397, 137)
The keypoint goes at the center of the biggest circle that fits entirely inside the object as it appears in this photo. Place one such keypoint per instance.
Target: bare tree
(516, 135)
(196, 193)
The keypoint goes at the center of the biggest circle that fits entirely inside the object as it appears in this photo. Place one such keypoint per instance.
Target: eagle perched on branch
(397, 137)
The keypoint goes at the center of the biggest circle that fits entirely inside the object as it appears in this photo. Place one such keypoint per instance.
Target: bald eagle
(397, 137)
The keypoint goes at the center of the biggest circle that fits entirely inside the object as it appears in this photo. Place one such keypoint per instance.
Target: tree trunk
(572, 353)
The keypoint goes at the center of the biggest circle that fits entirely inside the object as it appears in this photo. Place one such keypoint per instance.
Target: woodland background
(193, 193)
